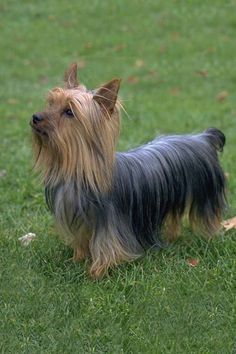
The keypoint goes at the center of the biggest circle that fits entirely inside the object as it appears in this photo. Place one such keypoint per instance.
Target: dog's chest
(65, 203)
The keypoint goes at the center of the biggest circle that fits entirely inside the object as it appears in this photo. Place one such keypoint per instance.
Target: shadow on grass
(54, 260)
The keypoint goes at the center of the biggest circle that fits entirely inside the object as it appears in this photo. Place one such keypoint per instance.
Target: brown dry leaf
(139, 63)
(175, 35)
(51, 18)
(175, 91)
(203, 73)
(193, 262)
(229, 224)
(119, 47)
(133, 79)
(222, 96)
(88, 45)
(152, 72)
(211, 50)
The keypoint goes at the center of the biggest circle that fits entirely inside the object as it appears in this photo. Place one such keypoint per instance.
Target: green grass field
(178, 65)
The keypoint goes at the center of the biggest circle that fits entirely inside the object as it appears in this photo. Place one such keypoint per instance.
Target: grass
(175, 58)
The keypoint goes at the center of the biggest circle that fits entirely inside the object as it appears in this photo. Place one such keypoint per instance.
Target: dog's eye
(69, 112)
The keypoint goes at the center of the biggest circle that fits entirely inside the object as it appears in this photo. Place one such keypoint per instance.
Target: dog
(112, 206)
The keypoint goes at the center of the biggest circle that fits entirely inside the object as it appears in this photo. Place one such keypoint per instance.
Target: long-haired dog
(111, 205)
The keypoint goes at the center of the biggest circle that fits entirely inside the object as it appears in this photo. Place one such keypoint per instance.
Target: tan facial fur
(82, 146)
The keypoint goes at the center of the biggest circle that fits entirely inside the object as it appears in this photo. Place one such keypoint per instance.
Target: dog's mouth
(38, 130)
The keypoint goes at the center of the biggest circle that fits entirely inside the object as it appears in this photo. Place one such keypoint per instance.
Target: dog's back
(164, 179)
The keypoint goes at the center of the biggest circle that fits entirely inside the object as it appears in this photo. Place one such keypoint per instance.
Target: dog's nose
(37, 118)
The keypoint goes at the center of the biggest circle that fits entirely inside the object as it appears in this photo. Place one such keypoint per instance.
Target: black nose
(37, 118)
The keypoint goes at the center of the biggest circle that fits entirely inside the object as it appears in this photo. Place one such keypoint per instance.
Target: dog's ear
(70, 77)
(106, 95)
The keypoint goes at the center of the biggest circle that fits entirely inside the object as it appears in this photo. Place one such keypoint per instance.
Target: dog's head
(76, 134)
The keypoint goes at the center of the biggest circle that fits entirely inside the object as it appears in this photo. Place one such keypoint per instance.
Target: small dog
(110, 205)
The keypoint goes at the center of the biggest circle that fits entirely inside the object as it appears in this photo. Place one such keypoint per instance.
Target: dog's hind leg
(108, 249)
(172, 227)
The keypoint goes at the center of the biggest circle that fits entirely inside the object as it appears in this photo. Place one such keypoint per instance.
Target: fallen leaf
(3, 173)
(51, 17)
(175, 91)
(193, 262)
(139, 63)
(119, 47)
(175, 35)
(229, 224)
(152, 72)
(222, 96)
(26, 239)
(203, 73)
(88, 45)
(153, 75)
(211, 50)
(133, 79)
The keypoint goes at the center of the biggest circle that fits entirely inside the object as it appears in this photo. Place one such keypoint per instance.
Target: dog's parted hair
(112, 206)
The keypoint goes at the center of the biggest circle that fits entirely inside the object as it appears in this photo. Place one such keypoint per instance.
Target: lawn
(178, 68)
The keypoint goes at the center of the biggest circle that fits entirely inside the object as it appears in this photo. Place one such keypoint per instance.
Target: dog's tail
(216, 138)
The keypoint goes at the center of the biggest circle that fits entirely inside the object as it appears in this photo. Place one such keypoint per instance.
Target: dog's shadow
(55, 261)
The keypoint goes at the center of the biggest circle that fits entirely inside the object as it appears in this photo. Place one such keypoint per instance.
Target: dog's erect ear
(106, 95)
(70, 76)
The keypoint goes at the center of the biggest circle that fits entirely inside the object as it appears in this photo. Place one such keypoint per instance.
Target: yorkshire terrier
(111, 205)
